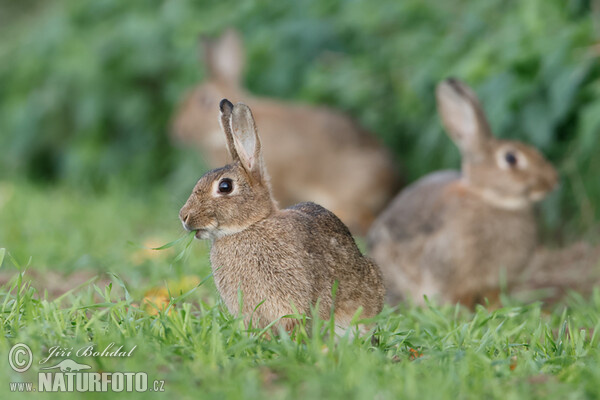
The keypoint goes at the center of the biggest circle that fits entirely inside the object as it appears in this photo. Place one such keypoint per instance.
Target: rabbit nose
(552, 180)
(184, 216)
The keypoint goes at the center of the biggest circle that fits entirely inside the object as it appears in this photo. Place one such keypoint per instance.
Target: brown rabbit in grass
(554, 272)
(285, 259)
(313, 153)
(450, 234)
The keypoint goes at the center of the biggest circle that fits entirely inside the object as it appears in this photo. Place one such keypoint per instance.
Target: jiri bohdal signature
(88, 351)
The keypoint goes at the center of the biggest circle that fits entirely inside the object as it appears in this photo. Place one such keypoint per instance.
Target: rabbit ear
(225, 57)
(247, 142)
(226, 110)
(463, 117)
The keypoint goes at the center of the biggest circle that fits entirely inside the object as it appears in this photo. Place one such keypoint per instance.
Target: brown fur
(314, 154)
(552, 273)
(450, 234)
(287, 258)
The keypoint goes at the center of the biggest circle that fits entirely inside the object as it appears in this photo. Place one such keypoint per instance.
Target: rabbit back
(553, 272)
(292, 259)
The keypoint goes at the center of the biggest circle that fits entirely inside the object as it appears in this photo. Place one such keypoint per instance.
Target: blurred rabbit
(450, 234)
(281, 260)
(314, 154)
(554, 272)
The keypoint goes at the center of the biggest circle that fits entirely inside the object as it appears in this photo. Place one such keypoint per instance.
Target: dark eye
(225, 186)
(511, 159)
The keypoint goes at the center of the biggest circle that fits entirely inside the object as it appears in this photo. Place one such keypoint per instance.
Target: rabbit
(282, 260)
(450, 234)
(314, 153)
(553, 272)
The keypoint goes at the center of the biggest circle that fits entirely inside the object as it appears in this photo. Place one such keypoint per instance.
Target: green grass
(515, 352)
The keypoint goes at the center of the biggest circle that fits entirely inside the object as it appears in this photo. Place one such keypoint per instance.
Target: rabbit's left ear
(247, 142)
(463, 118)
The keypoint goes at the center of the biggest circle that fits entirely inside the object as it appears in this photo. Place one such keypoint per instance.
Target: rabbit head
(224, 62)
(229, 199)
(508, 173)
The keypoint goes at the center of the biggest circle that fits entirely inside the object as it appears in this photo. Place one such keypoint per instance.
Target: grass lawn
(58, 240)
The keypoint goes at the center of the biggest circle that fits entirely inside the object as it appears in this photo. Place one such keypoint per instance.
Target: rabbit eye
(225, 186)
(511, 159)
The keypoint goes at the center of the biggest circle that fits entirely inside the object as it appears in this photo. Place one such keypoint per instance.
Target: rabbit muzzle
(192, 222)
(543, 186)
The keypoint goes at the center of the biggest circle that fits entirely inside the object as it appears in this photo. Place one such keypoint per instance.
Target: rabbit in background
(553, 272)
(281, 260)
(450, 234)
(314, 153)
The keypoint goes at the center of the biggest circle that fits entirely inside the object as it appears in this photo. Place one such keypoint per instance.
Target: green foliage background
(88, 88)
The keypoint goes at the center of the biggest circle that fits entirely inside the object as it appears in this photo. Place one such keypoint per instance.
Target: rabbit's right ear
(463, 117)
(247, 143)
(224, 57)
